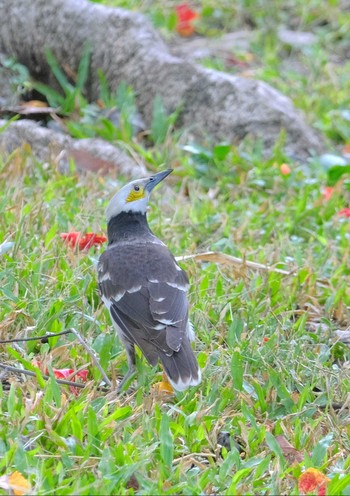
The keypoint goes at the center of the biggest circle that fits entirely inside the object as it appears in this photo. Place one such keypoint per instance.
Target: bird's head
(134, 196)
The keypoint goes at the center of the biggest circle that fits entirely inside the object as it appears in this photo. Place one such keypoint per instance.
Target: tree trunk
(214, 105)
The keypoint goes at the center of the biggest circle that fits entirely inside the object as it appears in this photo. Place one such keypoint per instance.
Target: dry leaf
(290, 453)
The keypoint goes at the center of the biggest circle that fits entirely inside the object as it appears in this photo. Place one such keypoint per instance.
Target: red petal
(85, 241)
(100, 239)
(71, 238)
(313, 480)
(185, 18)
(63, 373)
(344, 212)
(328, 192)
(91, 239)
(83, 374)
(185, 13)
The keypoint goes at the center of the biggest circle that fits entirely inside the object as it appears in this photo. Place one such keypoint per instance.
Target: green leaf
(239, 475)
(319, 452)
(83, 69)
(220, 152)
(11, 401)
(275, 447)
(53, 385)
(118, 414)
(159, 126)
(340, 484)
(58, 72)
(8, 123)
(54, 98)
(166, 441)
(237, 370)
(336, 172)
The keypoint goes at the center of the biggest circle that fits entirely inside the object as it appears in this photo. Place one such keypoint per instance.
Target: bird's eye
(137, 188)
(151, 178)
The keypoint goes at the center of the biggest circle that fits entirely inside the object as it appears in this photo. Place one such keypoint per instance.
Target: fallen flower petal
(83, 374)
(313, 481)
(66, 374)
(328, 192)
(91, 239)
(63, 373)
(185, 19)
(83, 241)
(285, 169)
(344, 212)
(71, 238)
(15, 483)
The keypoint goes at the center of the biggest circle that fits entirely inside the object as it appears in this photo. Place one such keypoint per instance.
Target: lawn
(274, 399)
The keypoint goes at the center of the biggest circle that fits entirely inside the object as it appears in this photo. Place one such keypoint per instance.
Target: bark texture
(89, 154)
(126, 47)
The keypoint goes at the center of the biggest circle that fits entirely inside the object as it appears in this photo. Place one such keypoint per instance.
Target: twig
(223, 258)
(38, 338)
(92, 355)
(81, 341)
(16, 370)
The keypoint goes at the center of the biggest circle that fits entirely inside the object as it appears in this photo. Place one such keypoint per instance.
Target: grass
(271, 362)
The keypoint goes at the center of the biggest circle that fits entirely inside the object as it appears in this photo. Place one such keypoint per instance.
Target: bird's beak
(156, 179)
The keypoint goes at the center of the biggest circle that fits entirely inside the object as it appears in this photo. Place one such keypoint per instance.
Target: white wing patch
(116, 298)
(161, 298)
(167, 321)
(177, 286)
(105, 277)
(134, 289)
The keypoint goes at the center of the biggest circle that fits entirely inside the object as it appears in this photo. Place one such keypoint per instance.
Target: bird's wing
(147, 294)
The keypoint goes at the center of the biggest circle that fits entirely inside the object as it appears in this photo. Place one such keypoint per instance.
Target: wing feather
(147, 290)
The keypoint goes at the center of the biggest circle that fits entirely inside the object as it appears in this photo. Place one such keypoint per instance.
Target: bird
(144, 288)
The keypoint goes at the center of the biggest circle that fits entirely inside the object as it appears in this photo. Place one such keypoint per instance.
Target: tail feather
(182, 367)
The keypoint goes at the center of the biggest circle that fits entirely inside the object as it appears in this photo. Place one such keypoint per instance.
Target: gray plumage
(145, 291)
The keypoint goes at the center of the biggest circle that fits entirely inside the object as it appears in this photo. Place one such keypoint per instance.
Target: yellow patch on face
(136, 194)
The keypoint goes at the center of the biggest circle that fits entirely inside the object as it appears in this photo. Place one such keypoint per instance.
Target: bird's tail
(182, 367)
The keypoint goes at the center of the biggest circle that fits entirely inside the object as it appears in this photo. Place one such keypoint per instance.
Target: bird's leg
(130, 352)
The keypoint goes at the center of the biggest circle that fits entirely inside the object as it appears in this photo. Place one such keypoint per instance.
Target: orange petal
(313, 480)
(19, 484)
(285, 169)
